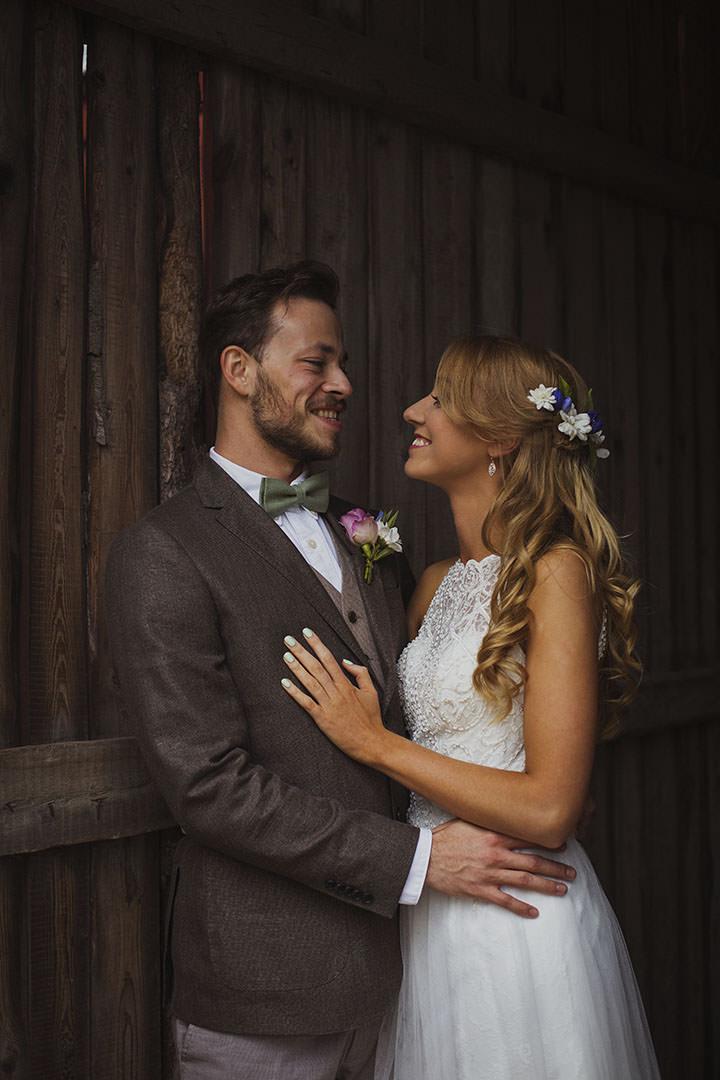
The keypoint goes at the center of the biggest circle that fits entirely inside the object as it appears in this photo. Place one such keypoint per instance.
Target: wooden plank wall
(99, 417)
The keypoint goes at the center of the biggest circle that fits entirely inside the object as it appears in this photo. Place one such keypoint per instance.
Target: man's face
(301, 387)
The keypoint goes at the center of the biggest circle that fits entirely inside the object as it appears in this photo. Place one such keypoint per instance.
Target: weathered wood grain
(283, 169)
(274, 37)
(52, 642)
(15, 157)
(337, 233)
(234, 186)
(180, 279)
(64, 793)
(398, 369)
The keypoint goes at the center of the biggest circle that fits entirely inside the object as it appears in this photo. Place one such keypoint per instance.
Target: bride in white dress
(523, 654)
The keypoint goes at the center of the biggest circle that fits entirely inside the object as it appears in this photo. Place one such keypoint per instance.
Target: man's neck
(263, 460)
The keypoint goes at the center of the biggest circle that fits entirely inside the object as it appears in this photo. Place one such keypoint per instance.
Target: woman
(524, 654)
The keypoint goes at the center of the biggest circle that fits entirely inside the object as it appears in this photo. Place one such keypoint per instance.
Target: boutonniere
(375, 536)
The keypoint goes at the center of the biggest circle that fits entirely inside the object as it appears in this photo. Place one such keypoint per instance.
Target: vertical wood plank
(126, 1003)
(712, 892)
(620, 346)
(538, 211)
(233, 124)
(15, 158)
(449, 30)
(492, 44)
(496, 247)
(122, 466)
(687, 376)
(648, 76)
(122, 455)
(337, 231)
(283, 171)
(665, 917)
(654, 421)
(53, 691)
(584, 291)
(180, 285)
(398, 372)
(707, 282)
(537, 61)
(449, 288)
(612, 23)
(690, 889)
(580, 61)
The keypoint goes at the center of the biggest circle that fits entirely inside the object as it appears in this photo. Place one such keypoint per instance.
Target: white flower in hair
(597, 439)
(543, 397)
(575, 424)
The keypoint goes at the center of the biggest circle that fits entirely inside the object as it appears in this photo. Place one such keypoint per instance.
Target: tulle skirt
(491, 996)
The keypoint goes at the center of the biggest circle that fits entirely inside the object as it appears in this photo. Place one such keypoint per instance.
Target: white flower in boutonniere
(375, 536)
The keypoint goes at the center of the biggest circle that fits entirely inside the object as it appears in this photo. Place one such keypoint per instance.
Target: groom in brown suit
(283, 953)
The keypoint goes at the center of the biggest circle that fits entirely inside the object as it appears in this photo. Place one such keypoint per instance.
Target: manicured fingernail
(307, 633)
(286, 683)
(562, 889)
(348, 663)
(288, 658)
(290, 641)
(532, 913)
(570, 874)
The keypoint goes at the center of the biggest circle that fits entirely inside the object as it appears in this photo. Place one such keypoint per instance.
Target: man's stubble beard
(288, 436)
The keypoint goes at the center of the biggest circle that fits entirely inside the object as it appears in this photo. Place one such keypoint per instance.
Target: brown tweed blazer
(286, 883)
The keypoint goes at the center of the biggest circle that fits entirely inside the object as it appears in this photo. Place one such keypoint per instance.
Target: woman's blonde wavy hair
(547, 499)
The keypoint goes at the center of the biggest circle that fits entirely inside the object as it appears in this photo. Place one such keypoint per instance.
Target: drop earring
(492, 469)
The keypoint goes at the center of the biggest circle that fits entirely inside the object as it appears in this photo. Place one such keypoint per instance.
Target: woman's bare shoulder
(425, 589)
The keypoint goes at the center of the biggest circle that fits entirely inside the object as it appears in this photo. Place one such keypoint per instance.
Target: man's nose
(337, 382)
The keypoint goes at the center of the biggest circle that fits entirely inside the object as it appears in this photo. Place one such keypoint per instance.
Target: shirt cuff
(418, 869)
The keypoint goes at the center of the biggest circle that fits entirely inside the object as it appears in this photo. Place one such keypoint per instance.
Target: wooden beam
(273, 36)
(55, 794)
(78, 792)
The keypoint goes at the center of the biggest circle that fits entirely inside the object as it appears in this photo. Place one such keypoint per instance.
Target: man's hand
(468, 861)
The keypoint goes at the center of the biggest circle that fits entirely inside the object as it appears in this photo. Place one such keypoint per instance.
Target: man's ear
(238, 369)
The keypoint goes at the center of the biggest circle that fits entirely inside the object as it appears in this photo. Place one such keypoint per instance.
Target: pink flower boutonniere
(375, 536)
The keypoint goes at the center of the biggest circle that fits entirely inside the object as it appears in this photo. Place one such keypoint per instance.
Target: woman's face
(443, 452)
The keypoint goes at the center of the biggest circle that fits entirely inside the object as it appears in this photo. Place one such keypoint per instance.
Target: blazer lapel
(241, 515)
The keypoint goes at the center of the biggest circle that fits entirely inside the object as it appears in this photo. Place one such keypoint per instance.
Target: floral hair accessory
(375, 536)
(586, 427)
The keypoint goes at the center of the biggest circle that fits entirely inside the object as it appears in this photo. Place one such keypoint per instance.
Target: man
(283, 952)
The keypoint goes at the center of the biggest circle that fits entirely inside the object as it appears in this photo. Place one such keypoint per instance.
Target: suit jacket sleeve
(170, 662)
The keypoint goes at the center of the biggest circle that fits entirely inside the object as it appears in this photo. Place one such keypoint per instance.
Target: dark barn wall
(521, 167)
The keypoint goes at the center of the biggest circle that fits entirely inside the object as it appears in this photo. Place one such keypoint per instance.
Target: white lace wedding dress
(488, 995)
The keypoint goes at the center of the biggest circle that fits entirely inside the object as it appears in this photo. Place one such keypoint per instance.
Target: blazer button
(352, 616)
(358, 895)
(330, 884)
(368, 898)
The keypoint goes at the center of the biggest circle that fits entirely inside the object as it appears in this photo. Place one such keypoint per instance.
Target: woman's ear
(238, 369)
(501, 447)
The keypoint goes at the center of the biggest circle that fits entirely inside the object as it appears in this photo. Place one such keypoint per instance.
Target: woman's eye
(435, 401)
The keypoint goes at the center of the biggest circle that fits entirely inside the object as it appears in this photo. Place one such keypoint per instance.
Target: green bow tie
(276, 496)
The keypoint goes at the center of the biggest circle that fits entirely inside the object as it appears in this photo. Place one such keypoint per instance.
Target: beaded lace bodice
(442, 708)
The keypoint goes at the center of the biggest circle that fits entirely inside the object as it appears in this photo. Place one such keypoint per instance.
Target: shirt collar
(248, 480)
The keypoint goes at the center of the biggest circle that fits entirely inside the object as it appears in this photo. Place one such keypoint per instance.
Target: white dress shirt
(313, 539)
